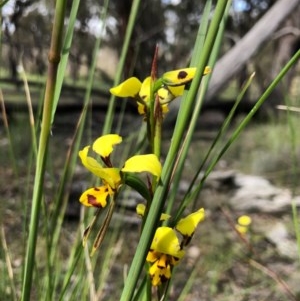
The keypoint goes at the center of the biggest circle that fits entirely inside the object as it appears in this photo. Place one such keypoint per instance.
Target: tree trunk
(228, 65)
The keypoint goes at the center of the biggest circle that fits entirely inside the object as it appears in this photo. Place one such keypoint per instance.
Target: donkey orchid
(111, 176)
(171, 85)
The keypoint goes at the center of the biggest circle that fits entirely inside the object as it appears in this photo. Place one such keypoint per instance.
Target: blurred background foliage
(173, 24)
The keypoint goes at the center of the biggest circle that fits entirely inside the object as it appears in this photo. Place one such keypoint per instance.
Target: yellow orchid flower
(111, 176)
(165, 252)
(170, 86)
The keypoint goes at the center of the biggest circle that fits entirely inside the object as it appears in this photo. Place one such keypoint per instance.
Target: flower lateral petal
(95, 197)
(104, 145)
(145, 89)
(128, 88)
(143, 163)
(89, 162)
(187, 226)
(110, 176)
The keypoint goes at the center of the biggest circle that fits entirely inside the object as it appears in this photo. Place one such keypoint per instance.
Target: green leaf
(138, 185)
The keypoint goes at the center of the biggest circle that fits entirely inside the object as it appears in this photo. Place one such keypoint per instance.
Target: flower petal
(179, 77)
(166, 241)
(88, 162)
(103, 146)
(108, 175)
(152, 256)
(141, 108)
(244, 220)
(140, 209)
(186, 226)
(112, 177)
(155, 272)
(145, 89)
(177, 90)
(241, 229)
(143, 163)
(95, 197)
(128, 88)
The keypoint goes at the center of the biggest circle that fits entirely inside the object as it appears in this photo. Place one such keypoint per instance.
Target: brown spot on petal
(182, 75)
(93, 201)
(175, 258)
(163, 278)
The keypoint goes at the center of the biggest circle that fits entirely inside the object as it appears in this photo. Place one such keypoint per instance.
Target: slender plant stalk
(30, 111)
(65, 55)
(54, 58)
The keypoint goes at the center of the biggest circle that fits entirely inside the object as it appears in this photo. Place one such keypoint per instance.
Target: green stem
(54, 58)
(157, 133)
